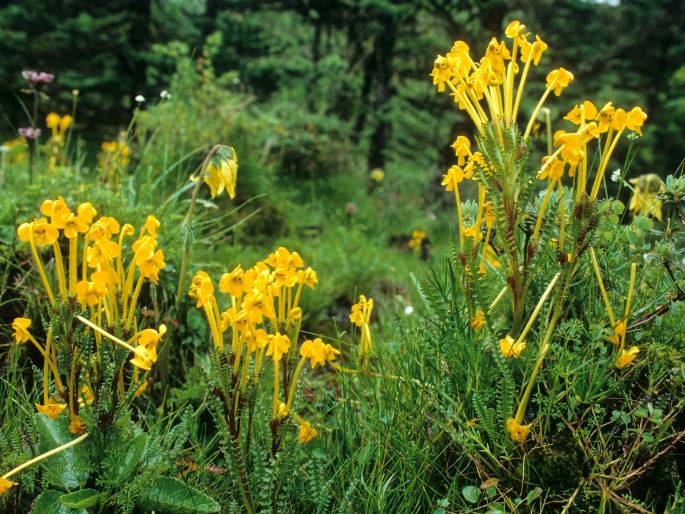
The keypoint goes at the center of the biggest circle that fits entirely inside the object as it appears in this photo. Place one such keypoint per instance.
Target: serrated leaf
(48, 503)
(173, 496)
(70, 468)
(119, 468)
(83, 499)
(471, 493)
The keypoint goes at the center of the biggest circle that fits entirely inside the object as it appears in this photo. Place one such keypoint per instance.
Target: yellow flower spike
(307, 433)
(5, 484)
(517, 431)
(627, 357)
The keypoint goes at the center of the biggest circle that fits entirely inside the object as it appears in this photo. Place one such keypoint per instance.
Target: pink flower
(37, 77)
(29, 133)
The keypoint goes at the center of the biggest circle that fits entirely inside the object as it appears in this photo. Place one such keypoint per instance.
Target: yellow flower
(510, 348)
(533, 51)
(635, 118)
(307, 277)
(358, 314)
(149, 338)
(222, 175)
(87, 395)
(201, 288)
(52, 120)
(552, 171)
(314, 351)
(233, 282)
(144, 357)
(5, 485)
(257, 339)
(141, 389)
(307, 433)
(583, 112)
(619, 332)
(150, 262)
(478, 320)
(644, 200)
(515, 30)
(57, 210)
(21, 329)
(282, 410)
(462, 149)
(442, 72)
(417, 237)
(65, 122)
(89, 293)
(605, 117)
(278, 345)
(517, 431)
(627, 357)
(76, 426)
(377, 175)
(51, 408)
(453, 177)
(44, 233)
(558, 80)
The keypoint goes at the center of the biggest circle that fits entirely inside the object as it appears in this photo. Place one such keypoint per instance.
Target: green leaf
(70, 468)
(471, 493)
(118, 468)
(48, 503)
(83, 499)
(167, 494)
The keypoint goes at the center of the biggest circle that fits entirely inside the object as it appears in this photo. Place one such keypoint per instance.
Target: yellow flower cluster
(490, 82)
(417, 238)
(263, 318)
(102, 283)
(113, 158)
(58, 126)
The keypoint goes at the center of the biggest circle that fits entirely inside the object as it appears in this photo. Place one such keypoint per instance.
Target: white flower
(616, 175)
(165, 95)
(408, 310)
(140, 99)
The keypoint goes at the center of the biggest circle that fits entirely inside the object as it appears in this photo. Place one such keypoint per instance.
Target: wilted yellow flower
(517, 431)
(478, 320)
(307, 433)
(51, 408)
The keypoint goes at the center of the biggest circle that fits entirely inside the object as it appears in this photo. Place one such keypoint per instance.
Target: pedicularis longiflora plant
(96, 353)
(255, 332)
(500, 236)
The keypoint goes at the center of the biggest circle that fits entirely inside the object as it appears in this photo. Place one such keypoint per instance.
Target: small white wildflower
(408, 310)
(140, 99)
(165, 95)
(616, 175)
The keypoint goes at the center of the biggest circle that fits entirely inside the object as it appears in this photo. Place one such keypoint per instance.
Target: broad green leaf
(70, 468)
(173, 496)
(48, 503)
(471, 493)
(83, 499)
